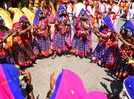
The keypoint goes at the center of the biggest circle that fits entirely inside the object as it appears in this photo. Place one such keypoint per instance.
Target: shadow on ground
(116, 87)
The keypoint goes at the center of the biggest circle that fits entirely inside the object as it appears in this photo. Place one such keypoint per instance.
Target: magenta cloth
(96, 95)
(70, 86)
(5, 92)
(9, 82)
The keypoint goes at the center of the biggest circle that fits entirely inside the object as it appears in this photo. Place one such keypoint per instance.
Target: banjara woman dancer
(43, 36)
(82, 41)
(62, 31)
(106, 52)
(22, 45)
(125, 66)
(6, 55)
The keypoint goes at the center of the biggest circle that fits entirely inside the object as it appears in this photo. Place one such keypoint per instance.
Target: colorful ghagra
(43, 38)
(107, 54)
(62, 35)
(82, 45)
(59, 43)
(22, 49)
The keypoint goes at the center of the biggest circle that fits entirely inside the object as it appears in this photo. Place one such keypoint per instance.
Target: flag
(129, 86)
(9, 82)
(108, 22)
(129, 25)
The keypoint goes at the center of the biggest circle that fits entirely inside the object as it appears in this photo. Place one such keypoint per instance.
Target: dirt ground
(90, 73)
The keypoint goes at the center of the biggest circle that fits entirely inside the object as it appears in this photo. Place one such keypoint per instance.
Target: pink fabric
(96, 95)
(5, 92)
(71, 87)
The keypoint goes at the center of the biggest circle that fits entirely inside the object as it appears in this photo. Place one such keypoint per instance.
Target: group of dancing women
(64, 33)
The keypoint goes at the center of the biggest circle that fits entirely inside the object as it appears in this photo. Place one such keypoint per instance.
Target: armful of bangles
(98, 34)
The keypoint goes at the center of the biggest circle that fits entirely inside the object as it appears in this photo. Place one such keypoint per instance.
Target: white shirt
(69, 8)
(91, 10)
(102, 7)
(115, 9)
(131, 11)
(77, 8)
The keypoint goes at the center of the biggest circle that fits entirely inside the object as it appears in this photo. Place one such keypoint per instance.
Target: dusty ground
(90, 73)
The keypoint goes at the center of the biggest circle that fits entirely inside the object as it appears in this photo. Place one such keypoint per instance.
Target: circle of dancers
(68, 27)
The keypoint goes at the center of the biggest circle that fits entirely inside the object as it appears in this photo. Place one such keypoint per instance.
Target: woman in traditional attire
(82, 45)
(50, 13)
(62, 31)
(23, 52)
(43, 36)
(42, 20)
(4, 55)
(5, 51)
(107, 50)
(125, 66)
(26, 36)
(35, 29)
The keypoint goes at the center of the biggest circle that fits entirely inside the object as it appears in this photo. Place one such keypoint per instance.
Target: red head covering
(16, 25)
(23, 19)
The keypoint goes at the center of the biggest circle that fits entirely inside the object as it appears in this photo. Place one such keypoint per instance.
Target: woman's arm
(98, 34)
(25, 30)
